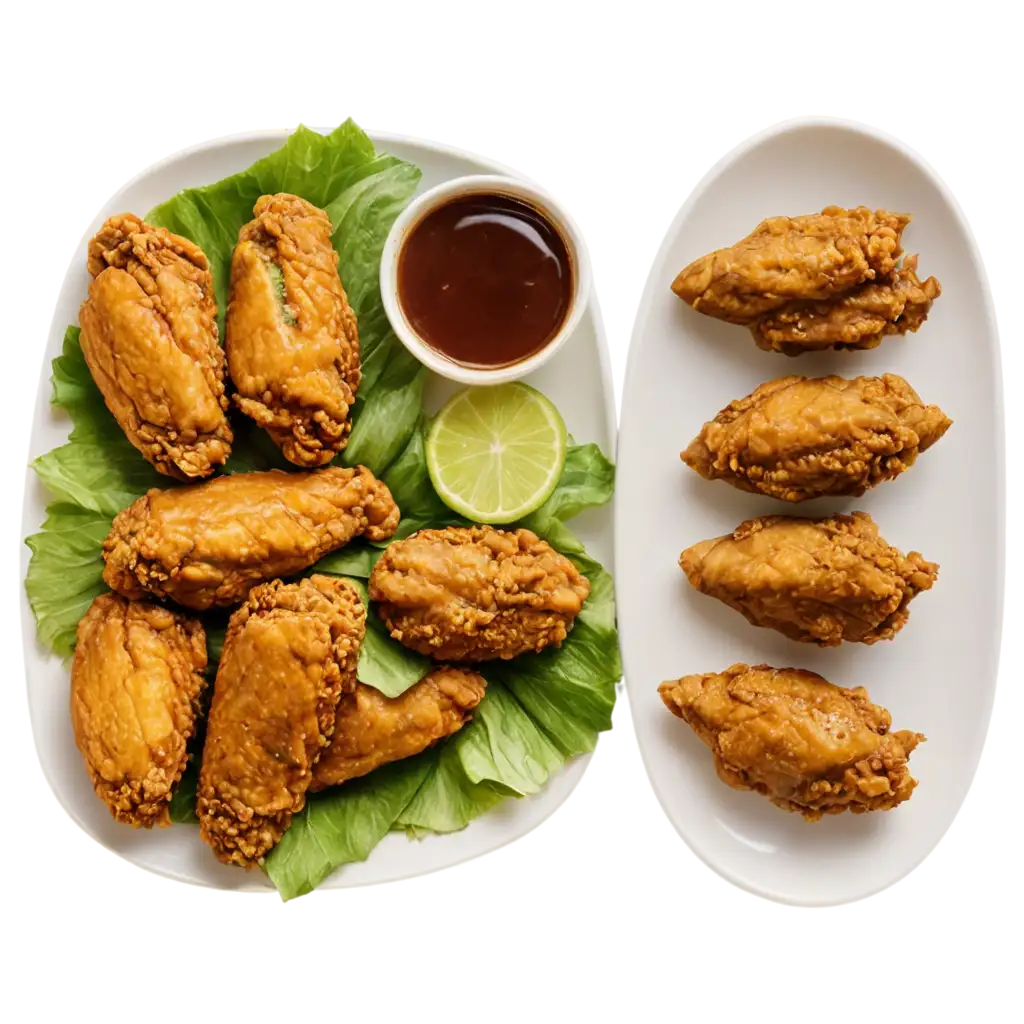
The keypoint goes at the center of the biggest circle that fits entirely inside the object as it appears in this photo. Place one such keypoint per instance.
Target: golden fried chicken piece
(149, 337)
(856, 319)
(371, 729)
(136, 683)
(797, 437)
(789, 258)
(805, 744)
(290, 653)
(477, 593)
(206, 545)
(821, 581)
(292, 341)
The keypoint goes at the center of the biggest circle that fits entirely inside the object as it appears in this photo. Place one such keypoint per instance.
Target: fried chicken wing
(797, 438)
(136, 683)
(149, 337)
(371, 729)
(807, 745)
(206, 545)
(821, 581)
(857, 319)
(477, 593)
(292, 341)
(290, 653)
(793, 258)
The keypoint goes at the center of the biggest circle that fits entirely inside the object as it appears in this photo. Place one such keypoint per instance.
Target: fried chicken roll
(206, 545)
(807, 745)
(371, 730)
(477, 593)
(793, 258)
(821, 581)
(290, 653)
(797, 437)
(136, 684)
(292, 341)
(860, 318)
(149, 337)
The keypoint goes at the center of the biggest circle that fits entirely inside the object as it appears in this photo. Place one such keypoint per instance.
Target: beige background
(87, 94)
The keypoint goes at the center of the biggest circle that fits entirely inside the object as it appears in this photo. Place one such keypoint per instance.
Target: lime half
(495, 454)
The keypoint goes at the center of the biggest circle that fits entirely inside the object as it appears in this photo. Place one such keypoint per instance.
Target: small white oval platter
(938, 676)
(577, 379)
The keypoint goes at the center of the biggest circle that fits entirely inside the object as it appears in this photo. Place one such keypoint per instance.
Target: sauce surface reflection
(485, 279)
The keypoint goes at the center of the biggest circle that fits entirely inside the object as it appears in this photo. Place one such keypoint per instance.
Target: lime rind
(495, 454)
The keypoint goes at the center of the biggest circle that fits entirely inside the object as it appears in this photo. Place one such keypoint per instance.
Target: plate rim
(651, 288)
(574, 769)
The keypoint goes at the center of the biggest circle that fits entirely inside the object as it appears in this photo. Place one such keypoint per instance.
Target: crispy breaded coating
(292, 340)
(477, 593)
(136, 684)
(821, 581)
(856, 319)
(797, 437)
(371, 729)
(206, 545)
(807, 745)
(793, 258)
(149, 337)
(290, 653)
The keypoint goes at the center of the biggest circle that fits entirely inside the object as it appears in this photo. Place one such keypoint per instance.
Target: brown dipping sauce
(485, 279)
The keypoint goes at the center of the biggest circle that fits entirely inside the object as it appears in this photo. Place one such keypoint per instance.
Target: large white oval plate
(938, 676)
(578, 380)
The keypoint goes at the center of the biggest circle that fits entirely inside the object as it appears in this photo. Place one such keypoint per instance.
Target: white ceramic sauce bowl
(457, 188)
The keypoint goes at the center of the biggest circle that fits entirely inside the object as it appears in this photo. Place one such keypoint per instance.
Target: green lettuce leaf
(98, 468)
(448, 800)
(504, 745)
(183, 800)
(570, 694)
(500, 753)
(216, 625)
(376, 199)
(342, 825)
(356, 559)
(389, 414)
(253, 451)
(570, 691)
(409, 483)
(384, 663)
(65, 572)
(587, 481)
(92, 476)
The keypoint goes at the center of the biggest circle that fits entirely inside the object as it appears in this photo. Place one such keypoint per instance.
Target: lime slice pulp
(495, 454)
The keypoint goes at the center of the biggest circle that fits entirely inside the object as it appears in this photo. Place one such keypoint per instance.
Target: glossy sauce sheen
(486, 280)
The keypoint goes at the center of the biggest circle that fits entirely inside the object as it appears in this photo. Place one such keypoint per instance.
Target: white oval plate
(938, 676)
(577, 379)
